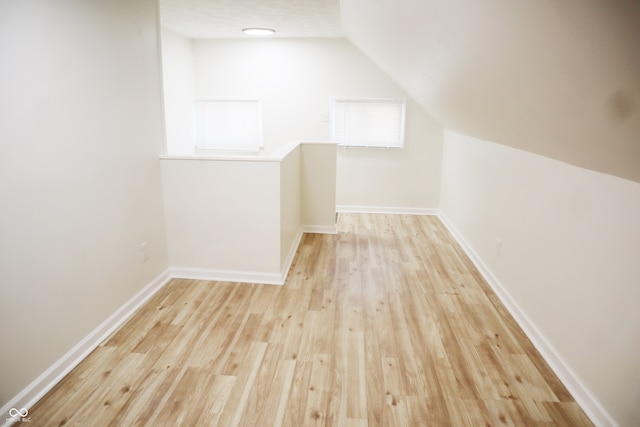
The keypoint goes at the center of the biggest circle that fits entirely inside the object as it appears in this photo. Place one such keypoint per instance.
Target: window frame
(402, 102)
(225, 149)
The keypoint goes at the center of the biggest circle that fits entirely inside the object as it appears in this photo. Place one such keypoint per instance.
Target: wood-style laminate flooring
(387, 323)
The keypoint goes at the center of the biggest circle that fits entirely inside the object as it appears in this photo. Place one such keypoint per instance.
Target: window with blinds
(228, 124)
(377, 123)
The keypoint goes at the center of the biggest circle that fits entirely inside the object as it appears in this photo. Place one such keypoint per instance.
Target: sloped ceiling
(558, 78)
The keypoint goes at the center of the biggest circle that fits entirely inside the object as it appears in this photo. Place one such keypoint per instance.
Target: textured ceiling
(205, 19)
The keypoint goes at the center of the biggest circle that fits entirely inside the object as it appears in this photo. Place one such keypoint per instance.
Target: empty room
(320, 212)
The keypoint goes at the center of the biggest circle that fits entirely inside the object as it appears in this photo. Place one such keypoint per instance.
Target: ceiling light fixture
(258, 31)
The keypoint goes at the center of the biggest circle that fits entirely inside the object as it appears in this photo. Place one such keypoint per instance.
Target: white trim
(220, 156)
(587, 401)
(276, 155)
(290, 257)
(319, 142)
(320, 229)
(386, 210)
(30, 395)
(237, 276)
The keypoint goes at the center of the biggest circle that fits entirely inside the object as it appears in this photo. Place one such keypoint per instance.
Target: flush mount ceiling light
(258, 31)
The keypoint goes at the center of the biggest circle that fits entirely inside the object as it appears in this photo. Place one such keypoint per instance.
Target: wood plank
(387, 323)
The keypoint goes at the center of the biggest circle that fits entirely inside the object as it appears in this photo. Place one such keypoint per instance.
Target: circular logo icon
(13, 412)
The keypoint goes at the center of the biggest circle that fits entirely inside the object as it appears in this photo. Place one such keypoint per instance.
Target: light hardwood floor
(387, 323)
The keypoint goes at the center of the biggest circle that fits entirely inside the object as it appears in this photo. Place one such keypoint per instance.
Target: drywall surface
(296, 81)
(80, 181)
(290, 204)
(568, 256)
(392, 178)
(223, 215)
(561, 79)
(239, 217)
(318, 181)
(177, 77)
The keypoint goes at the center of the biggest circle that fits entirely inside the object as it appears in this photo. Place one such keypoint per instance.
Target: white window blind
(369, 122)
(228, 124)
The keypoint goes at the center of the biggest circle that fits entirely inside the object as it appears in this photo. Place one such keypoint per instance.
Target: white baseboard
(240, 276)
(290, 256)
(320, 229)
(386, 210)
(56, 372)
(591, 406)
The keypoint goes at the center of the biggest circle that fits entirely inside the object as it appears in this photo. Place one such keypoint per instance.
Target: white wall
(81, 131)
(177, 77)
(406, 179)
(569, 256)
(318, 181)
(290, 205)
(240, 218)
(223, 216)
(296, 80)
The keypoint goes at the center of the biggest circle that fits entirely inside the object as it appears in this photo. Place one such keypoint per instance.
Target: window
(228, 124)
(369, 122)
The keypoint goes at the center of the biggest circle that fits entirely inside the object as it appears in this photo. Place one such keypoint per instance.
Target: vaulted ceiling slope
(557, 78)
